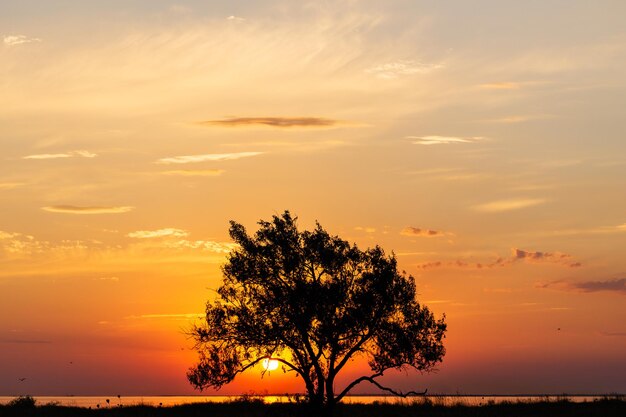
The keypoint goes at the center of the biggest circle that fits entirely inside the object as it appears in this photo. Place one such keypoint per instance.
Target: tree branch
(371, 379)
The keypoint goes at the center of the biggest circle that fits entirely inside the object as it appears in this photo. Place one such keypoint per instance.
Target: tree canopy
(312, 301)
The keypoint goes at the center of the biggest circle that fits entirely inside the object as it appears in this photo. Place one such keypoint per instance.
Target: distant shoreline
(610, 406)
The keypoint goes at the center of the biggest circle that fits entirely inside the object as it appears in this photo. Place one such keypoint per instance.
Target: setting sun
(270, 364)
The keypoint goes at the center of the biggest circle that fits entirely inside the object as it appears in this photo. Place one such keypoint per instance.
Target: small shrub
(23, 401)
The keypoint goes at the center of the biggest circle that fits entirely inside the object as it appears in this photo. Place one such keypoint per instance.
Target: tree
(312, 302)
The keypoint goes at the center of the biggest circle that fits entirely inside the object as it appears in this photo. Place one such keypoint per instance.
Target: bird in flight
(22, 379)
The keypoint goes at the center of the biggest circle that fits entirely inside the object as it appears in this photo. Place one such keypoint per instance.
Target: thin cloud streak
(280, 122)
(72, 154)
(13, 40)
(443, 140)
(203, 245)
(189, 159)
(196, 173)
(613, 285)
(396, 69)
(509, 205)
(517, 255)
(501, 86)
(10, 185)
(88, 209)
(151, 234)
(417, 232)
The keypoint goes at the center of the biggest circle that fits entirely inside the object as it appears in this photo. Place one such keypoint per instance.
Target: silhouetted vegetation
(312, 302)
(608, 407)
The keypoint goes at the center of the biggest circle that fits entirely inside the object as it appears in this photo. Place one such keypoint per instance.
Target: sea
(171, 400)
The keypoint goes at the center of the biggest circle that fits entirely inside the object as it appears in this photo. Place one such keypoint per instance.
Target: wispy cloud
(204, 245)
(502, 86)
(517, 255)
(236, 19)
(88, 209)
(7, 235)
(188, 159)
(417, 232)
(111, 279)
(281, 122)
(13, 40)
(195, 173)
(10, 185)
(443, 140)
(150, 234)
(612, 334)
(72, 154)
(509, 205)
(519, 118)
(396, 69)
(613, 285)
(365, 229)
(553, 257)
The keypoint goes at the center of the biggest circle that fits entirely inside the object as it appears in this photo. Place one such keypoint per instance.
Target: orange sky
(483, 144)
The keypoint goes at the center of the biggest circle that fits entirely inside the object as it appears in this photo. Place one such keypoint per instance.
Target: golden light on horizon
(127, 150)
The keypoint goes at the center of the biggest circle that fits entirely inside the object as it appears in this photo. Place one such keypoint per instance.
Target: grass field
(608, 407)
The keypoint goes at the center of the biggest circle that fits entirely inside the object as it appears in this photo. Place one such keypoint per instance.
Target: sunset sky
(483, 142)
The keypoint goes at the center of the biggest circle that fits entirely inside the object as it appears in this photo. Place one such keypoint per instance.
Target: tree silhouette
(312, 302)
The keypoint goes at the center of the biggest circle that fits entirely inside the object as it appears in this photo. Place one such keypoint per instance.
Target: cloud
(188, 159)
(538, 256)
(414, 231)
(501, 86)
(274, 122)
(517, 255)
(7, 235)
(88, 210)
(235, 19)
(613, 285)
(204, 245)
(113, 279)
(365, 229)
(10, 185)
(196, 173)
(553, 257)
(396, 69)
(12, 40)
(72, 154)
(443, 140)
(509, 205)
(150, 234)
(619, 334)
(520, 118)
(499, 262)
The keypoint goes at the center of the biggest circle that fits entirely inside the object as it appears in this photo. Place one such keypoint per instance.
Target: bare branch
(372, 380)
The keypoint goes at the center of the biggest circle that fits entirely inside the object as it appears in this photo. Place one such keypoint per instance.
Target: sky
(481, 142)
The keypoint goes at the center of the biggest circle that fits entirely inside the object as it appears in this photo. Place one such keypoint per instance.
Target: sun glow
(269, 364)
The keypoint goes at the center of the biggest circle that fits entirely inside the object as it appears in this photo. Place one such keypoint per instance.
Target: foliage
(313, 302)
(24, 401)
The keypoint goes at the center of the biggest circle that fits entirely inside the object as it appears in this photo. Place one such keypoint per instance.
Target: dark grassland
(613, 406)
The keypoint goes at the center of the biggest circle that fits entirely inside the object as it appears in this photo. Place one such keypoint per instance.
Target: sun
(269, 364)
